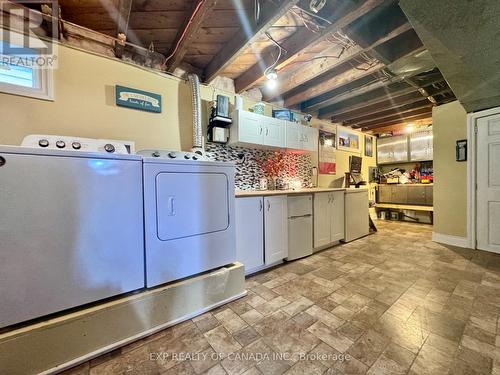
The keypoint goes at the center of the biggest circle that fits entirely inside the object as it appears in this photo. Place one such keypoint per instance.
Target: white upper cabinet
(274, 132)
(309, 138)
(254, 130)
(247, 128)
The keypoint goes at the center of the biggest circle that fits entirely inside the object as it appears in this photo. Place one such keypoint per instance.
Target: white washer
(71, 225)
(189, 215)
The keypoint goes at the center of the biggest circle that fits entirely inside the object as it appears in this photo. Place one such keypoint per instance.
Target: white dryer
(189, 215)
(71, 225)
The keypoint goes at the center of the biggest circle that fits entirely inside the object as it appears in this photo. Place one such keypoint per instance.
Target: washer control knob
(195, 157)
(76, 145)
(60, 144)
(43, 143)
(186, 156)
(156, 154)
(172, 155)
(108, 147)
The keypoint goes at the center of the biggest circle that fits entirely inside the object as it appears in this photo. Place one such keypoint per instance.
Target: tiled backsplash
(248, 171)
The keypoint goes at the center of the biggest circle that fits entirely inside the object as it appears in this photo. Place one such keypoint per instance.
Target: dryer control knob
(109, 148)
(172, 155)
(60, 144)
(43, 143)
(186, 156)
(76, 145)
(156, 154)
(195, 157)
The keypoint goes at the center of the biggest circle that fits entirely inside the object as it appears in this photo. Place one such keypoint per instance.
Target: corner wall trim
(448, 239)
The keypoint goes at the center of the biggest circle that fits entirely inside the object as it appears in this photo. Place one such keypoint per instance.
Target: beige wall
(450, 177)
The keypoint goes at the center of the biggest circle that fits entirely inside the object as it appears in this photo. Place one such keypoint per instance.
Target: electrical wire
(280, 51)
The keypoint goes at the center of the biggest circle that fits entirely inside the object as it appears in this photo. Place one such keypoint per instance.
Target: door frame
(472, 119)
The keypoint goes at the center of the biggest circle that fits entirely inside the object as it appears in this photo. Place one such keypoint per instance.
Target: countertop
(260, 193)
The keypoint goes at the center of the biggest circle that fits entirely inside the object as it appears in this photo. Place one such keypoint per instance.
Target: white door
(250, 232)
(274, 132)
(322, 214)
(250, 128)
(337, 216)
(276, 229)
(488, 183)
(293, 134)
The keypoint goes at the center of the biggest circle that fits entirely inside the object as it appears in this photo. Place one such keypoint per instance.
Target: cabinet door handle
(268, 205)
(260, 133)
(260, 205)
(267, 131)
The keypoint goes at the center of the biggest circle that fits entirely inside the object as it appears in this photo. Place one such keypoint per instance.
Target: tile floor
(390, 303)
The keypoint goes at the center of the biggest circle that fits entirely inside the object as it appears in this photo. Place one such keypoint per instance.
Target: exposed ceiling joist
(387, 104)
(415, 115)
(338, 80)
(299, 41)
(427, 115)
(187, 33)
(321, 66)
(339, 110)
(391, 113)
(123, 16)
(270, 13)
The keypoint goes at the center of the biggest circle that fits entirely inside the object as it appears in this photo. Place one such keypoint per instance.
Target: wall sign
(138, 99)
(368, 146)
(327, 153)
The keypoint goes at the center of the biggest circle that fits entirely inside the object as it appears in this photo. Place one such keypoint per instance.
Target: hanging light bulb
(272, 79)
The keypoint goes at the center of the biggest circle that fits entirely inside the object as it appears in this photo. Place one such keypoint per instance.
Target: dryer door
(191, 204)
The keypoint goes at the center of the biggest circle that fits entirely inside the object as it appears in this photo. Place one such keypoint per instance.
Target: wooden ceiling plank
(244, 38)
(124, 9)
(330, 84)
(193, 24)
(318, 66)
(299, 41)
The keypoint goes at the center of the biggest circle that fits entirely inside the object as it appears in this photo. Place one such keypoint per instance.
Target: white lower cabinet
(261, 231)
(275, 228)
(250, 232)
(328, 218)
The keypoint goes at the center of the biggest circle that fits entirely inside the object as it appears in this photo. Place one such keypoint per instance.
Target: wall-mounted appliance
(71, 227)
(189, 215)
(220, 121)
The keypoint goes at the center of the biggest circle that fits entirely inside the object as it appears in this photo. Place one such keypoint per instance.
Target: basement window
(19, 77)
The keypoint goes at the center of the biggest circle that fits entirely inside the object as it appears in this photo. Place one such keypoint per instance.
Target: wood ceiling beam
(338, 80)
(337, 111)
(394, 97)
(298, 42)
(390, 114)
(270, 14)
(399, 121)
(123, 16)
(320, 66)
(388, 104)
(398, 118)
(187, 33)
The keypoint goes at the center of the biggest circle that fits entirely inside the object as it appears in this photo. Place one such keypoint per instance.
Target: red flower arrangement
(273, 165)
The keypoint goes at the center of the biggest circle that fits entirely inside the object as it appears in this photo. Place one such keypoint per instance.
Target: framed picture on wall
(368, 146)
(347, 140)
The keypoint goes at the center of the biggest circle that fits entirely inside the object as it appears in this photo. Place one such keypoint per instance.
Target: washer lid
(191, 204)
